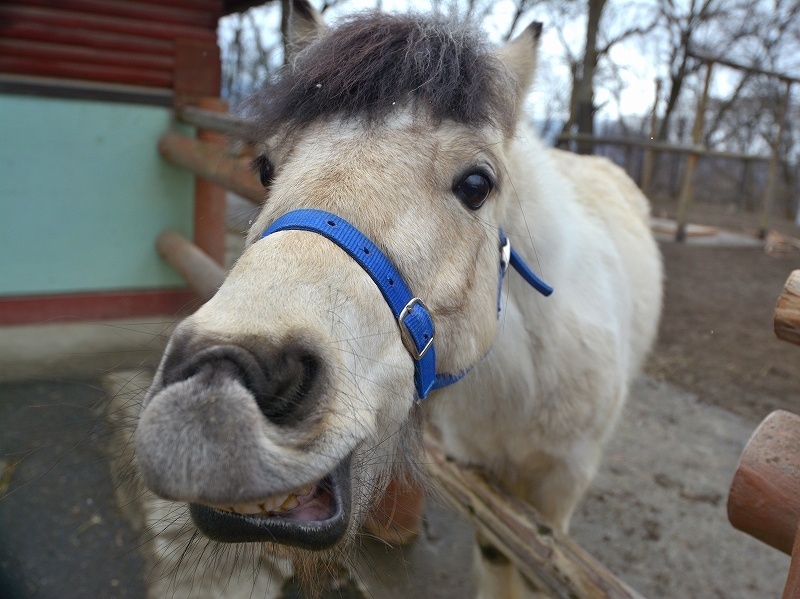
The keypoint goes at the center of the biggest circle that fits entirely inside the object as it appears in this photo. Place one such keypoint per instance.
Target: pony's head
(282, 405)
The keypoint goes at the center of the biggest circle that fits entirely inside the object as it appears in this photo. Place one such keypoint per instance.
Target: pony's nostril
(283, 381)
(292, 385)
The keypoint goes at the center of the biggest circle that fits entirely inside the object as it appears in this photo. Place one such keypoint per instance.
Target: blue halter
(413, 318)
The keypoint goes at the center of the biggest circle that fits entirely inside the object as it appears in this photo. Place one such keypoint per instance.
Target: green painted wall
(83, 195)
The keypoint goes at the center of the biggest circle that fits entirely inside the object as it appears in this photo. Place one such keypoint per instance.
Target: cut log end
(787, 312)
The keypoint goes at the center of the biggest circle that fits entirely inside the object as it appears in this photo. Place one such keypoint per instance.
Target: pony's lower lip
(287, 528)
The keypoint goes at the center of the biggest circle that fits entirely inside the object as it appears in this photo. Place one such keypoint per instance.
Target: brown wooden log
(215, 164)
(551, 561)
(213, 121)
(209, 199)
(792, 588)
(787, 312)
(764, 500)
(202, 273)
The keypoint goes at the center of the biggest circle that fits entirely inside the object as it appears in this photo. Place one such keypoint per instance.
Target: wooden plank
(212, 163)
(132, 10)
(90, 72)
(18, 310)
(71, 53)
(787, 312)
(551, 561)
(88, 38)
(61, 18)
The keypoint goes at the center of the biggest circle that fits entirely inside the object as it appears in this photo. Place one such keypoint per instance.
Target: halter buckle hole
(332, 223)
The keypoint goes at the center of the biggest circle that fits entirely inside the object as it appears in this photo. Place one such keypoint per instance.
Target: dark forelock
(372, 63)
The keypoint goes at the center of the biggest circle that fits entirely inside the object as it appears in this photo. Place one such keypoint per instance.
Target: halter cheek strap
(415, 322)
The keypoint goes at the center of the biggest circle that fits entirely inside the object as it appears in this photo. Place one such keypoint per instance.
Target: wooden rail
(551, 561)
(197, 268)
(213, 163)
(661, 146)
(212, 121)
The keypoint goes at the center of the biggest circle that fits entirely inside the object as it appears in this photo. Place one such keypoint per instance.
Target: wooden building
(87, 88)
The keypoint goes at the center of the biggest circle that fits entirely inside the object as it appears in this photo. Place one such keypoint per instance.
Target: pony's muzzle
(284, 381)
(230, 423)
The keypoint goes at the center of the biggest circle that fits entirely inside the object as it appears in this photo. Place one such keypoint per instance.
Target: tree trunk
(584, 96)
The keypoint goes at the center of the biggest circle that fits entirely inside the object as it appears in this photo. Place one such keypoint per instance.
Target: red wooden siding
(96, 306)
(113, 41)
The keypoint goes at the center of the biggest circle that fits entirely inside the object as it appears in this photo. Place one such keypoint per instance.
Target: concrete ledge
(81, 349)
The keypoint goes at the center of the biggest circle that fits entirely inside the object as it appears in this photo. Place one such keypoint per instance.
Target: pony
(372, 302)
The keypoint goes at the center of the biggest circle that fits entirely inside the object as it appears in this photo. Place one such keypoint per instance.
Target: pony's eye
(473, 189)
(265, 170)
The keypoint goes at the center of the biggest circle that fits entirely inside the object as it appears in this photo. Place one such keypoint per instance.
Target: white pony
(372, 300)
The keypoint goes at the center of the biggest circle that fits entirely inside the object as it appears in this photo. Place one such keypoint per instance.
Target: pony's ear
(519, 55)
(301, 24)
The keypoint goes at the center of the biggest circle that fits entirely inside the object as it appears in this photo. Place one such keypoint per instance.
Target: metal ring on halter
(405, 334)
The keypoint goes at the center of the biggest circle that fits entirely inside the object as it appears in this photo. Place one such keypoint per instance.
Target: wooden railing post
(209, 199)
(649, 153)
(691, 163)
(769, 192)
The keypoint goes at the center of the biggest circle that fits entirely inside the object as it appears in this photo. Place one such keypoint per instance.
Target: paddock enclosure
(64, 184)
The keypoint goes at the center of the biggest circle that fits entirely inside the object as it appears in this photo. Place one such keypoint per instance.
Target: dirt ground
(716, 337)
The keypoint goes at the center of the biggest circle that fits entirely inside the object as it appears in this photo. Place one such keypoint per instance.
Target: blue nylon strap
(416, 319)
(409, 311)
(523, 269)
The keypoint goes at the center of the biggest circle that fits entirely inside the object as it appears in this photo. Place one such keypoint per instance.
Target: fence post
(649, 153)
(769, 192)
(209, 199)
(691, 162)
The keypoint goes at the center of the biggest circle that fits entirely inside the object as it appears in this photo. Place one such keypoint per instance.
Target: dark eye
(473, 189)
(263, 167)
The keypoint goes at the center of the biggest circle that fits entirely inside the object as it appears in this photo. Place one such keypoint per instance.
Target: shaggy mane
(372, 63)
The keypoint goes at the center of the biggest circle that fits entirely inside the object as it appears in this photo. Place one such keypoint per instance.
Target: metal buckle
(405, 334)
(505, 256)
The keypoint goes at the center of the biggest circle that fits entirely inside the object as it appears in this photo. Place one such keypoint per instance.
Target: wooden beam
(202, 273)
(210, 120)
(214, 164)
(551, 561)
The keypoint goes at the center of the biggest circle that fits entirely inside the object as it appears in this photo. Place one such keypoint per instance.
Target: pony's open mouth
(315, 517)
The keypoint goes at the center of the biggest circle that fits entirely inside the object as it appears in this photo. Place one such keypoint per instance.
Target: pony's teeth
(248, 508)
(290, 503)
(272, 503)
(276, 503)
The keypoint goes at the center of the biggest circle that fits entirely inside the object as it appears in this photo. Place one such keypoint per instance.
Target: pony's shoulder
(602, 186)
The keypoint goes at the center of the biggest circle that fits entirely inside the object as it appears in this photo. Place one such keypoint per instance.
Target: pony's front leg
(558, 490)
(497, 577)
(554, 493)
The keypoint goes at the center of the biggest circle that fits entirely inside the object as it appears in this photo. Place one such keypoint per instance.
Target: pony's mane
(372, 63)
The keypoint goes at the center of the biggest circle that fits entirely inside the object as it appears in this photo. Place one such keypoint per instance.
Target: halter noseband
(415, 322)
